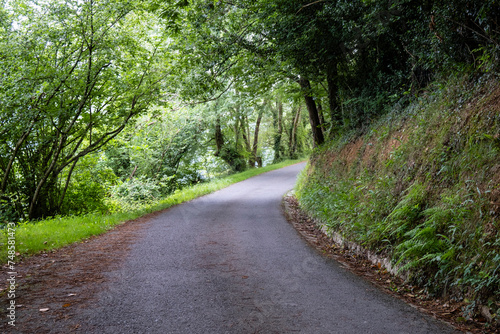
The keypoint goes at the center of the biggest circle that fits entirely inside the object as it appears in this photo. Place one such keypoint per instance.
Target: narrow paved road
(230, 263)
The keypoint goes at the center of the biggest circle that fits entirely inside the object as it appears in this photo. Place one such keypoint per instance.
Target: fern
(406, 213)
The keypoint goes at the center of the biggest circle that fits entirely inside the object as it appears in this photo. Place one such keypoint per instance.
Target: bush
(135, 192)
(89, 187)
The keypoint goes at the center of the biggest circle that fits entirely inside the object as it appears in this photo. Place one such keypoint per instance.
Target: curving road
(229, 262)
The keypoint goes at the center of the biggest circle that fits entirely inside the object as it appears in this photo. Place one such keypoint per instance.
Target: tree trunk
(219, 139)
(133, 173)
(335, 113)
(244, 134)
(278, 127)
(237, 127)
(292, 142)
(321, 115)
(237, 132)
(68, 178)
(313, 112)
(37, 212)
(253, 158)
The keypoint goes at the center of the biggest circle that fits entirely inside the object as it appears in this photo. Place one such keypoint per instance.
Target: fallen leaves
(70, 275)
(449, 311)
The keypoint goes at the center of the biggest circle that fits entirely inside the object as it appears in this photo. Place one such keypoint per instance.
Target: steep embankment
(422, 186)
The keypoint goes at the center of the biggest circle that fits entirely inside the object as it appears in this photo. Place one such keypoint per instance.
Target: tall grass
(45, 235)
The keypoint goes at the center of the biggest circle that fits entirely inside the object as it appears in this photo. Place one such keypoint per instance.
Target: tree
(78, 72)
(278, 130)
(232, 113)
(227, 44)
(162, 148)
(313, 112)
(294, 126)
(254, 158)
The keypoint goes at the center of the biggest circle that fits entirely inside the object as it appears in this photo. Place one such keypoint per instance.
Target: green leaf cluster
(74, 74)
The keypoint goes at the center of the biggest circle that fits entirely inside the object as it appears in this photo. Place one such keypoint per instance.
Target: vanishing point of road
(229, 262)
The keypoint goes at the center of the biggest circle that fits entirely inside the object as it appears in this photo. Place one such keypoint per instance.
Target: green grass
(35, 237)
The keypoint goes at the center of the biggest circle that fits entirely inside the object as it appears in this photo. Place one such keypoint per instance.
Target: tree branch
(310, 4)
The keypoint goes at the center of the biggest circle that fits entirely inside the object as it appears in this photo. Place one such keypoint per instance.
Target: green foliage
(157, 144)
(88, 188)
(9, 208)
(74, 73)
(364, 54)
(405, 215)
(118, 159)
(433, 246)
(420, 186)
(234, 158)
(136, 192)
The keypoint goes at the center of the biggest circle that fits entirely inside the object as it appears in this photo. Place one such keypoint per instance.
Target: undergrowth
(422, 187)
(48, 234)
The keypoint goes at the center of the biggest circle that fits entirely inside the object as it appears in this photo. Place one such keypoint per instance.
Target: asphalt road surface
(229, 262)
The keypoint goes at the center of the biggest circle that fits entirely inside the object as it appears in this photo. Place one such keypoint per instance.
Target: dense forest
(107, 104)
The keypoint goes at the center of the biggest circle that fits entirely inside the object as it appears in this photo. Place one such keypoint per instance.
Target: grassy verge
(422, 186)
(45, 235)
